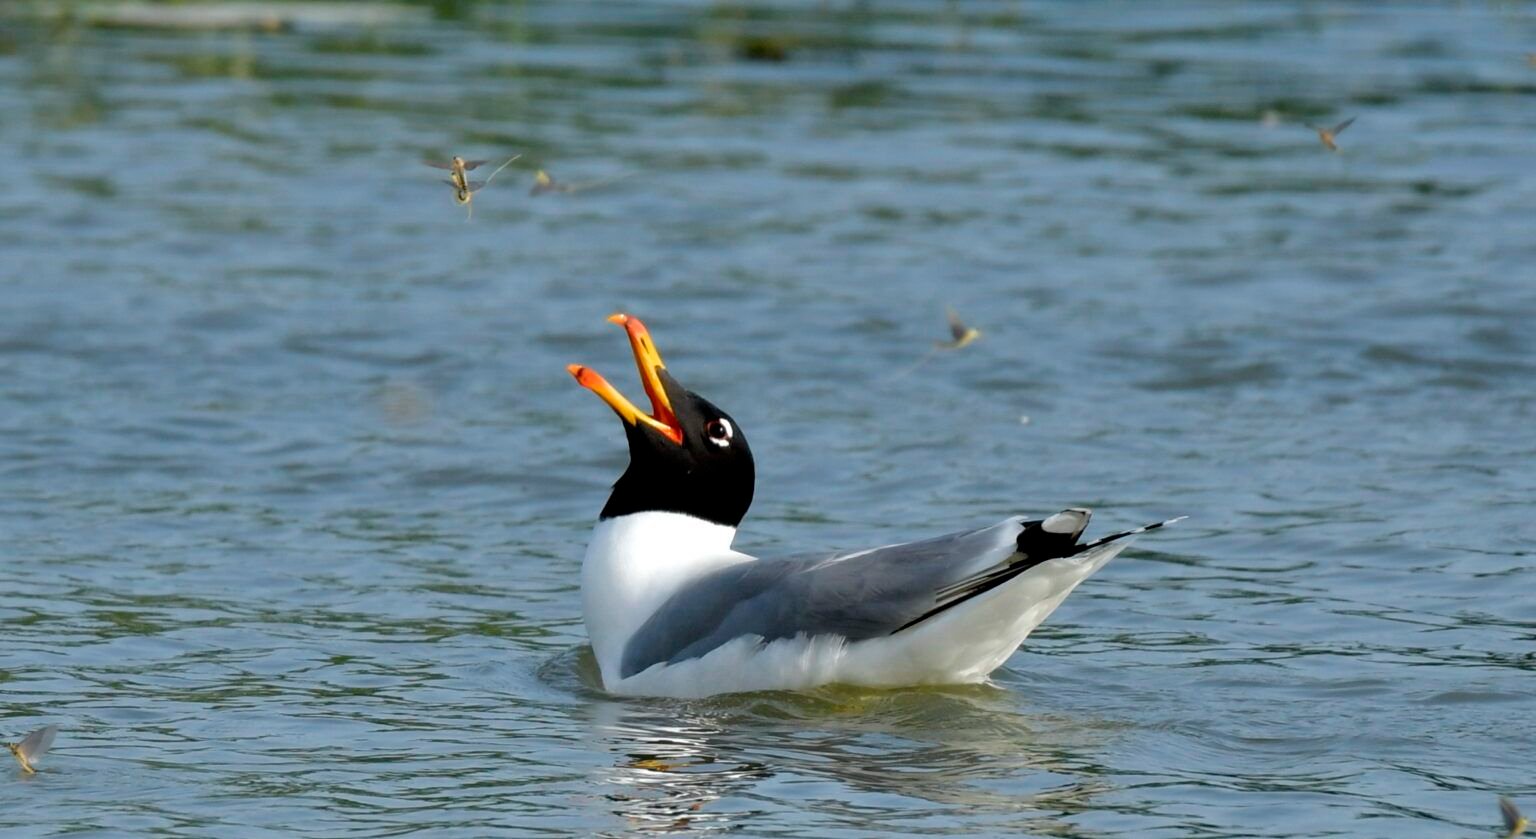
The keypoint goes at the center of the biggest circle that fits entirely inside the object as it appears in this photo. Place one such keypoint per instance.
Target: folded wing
(860, 595)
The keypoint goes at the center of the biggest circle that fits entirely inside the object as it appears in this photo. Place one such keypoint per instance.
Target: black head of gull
(686, 456)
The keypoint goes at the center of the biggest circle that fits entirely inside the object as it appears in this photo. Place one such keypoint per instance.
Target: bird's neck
(634, 563)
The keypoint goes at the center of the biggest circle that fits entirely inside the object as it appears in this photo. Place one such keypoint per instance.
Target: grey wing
(866, 594)
(38, 742)
(438, 164)
(1339, 129)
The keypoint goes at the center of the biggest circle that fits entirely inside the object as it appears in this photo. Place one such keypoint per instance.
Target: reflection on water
(692, 766)
(293, 485)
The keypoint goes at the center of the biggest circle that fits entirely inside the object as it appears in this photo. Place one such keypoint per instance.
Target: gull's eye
(719, 431)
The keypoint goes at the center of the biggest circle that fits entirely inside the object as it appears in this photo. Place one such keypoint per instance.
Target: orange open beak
(648, 361)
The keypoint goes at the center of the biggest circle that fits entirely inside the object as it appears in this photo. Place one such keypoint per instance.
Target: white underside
(633, 564)
(963, 645)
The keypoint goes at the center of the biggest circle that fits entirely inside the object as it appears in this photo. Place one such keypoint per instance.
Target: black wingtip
(1104, 540)
(1053, 537)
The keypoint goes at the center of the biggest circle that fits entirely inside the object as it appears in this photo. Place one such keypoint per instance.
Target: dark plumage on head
(686, 456)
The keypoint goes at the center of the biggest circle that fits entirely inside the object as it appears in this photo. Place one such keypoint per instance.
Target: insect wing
(1511, 814)
(473, 164)
(36, 744)
(474, 186)
(438, 164)
(1339, 129)
(957, 327)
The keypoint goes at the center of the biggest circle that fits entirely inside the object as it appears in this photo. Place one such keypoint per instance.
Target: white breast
(634, 563)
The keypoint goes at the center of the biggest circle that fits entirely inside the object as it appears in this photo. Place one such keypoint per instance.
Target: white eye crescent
(720, 431)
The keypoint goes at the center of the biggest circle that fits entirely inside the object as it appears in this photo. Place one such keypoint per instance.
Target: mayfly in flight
(32, 747)
(543, 182)
(464, 189)
(962, 334)
(1328, 136)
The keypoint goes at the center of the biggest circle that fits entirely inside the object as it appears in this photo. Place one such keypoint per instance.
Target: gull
(672, 609)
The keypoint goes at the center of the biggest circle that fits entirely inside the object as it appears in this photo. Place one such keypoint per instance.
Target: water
(294, 487)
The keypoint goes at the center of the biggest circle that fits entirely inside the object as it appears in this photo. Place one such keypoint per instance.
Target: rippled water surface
(294, 486)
